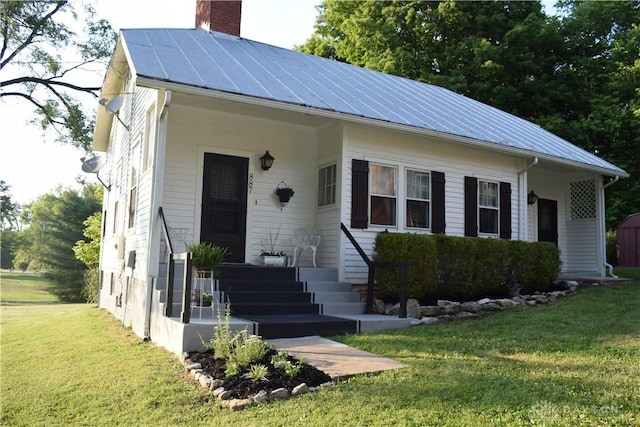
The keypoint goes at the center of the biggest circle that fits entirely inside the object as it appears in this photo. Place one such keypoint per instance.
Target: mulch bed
(242, 388)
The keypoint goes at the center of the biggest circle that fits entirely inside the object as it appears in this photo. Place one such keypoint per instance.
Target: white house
(186, 115)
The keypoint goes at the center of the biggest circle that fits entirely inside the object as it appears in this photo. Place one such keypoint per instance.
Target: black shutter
(505, 210)
(470, 206)
(437, 202)
(359, 193)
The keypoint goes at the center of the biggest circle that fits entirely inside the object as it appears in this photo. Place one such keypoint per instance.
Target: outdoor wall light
(266, 161)
(532, 198)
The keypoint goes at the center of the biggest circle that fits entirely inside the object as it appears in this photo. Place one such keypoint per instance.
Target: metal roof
(231, 64)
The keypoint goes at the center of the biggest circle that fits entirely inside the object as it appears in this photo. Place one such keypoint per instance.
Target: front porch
(273, 302)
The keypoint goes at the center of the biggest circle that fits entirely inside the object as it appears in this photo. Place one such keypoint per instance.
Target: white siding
(328, 217)
(407, 151)
(552, 186)
(196, 131)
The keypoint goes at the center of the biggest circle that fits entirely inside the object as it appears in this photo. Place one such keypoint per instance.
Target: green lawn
(574, 363)
(19, 288)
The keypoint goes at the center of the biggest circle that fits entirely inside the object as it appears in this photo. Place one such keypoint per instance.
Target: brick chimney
(219, 15)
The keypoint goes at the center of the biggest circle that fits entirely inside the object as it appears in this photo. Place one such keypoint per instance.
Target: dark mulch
(242, 388)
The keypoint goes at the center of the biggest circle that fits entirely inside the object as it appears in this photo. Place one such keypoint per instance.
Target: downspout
(155, 207)
(608, 266)
(522, 200)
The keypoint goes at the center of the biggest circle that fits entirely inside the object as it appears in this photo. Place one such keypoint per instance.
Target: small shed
(628, 241)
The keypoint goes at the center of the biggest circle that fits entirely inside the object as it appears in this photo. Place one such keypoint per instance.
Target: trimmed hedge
(443, 266)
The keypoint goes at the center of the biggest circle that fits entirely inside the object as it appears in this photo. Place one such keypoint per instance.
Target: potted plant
(207, 257)
(202, 298)
(513, 287)
(271, 255)
(284, 193)
(206, 261)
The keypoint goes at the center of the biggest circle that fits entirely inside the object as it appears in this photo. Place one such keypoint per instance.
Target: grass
(574, 363)
(19, 288)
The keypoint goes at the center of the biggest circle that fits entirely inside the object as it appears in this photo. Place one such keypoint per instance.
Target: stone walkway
(335, 359)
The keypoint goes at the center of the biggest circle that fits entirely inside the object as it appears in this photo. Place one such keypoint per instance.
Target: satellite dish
(114, 105)
(93, 163)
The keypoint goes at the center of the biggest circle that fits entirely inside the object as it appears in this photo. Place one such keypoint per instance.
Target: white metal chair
(303, 239)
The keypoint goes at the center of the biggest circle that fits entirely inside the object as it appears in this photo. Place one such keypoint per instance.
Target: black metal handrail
(187, 257)
(165, 230)
(372, 265)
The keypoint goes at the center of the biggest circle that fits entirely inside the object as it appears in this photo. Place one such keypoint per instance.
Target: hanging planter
(284, 193)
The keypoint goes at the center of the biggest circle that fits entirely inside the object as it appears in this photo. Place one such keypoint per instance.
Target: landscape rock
(429, 320)
(261, 397)
(194, 366)
(430, 310)
(393, 310)
(378, 306)
(238, 404)
(506, 303)
(300, 389)
(279, 393)
(413, 308)
(491, 306)
(471, 307)
(225, 395)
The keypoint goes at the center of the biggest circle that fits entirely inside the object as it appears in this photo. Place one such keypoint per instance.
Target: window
(132, 206)
(133, 179)
(116, 214)
(418, 197)
(327, 185)
(383, 195)
(488, 207)
(149, 136)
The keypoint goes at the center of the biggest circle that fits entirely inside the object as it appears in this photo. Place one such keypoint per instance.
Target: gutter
(613, 181)
(522, 200)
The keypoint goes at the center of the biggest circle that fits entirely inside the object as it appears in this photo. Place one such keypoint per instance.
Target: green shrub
(90, 284)
(492, 266)
(257, 373)
(443, 266)
(455, 265)
(418, 250)
(239, 349)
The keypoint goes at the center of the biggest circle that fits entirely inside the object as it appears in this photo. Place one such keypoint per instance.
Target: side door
(548, 221)
(224, 203)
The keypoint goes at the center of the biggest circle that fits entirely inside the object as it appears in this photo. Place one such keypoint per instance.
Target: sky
(33, 164)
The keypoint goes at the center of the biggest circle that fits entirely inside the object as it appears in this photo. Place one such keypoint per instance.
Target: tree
(40, 58)
(9, 225)
(56, 227)
(88, 251)
(498, 52)
(601, 65)
(9, 210)
(575, 74)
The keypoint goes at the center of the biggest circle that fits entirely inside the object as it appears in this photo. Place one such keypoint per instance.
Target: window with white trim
(327, 185)
(418, 199)
(133, 179)
(149, 137)
(488, 207)
(383, 193)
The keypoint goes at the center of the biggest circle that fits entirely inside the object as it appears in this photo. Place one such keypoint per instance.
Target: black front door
(224, 203)
(548, 221)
